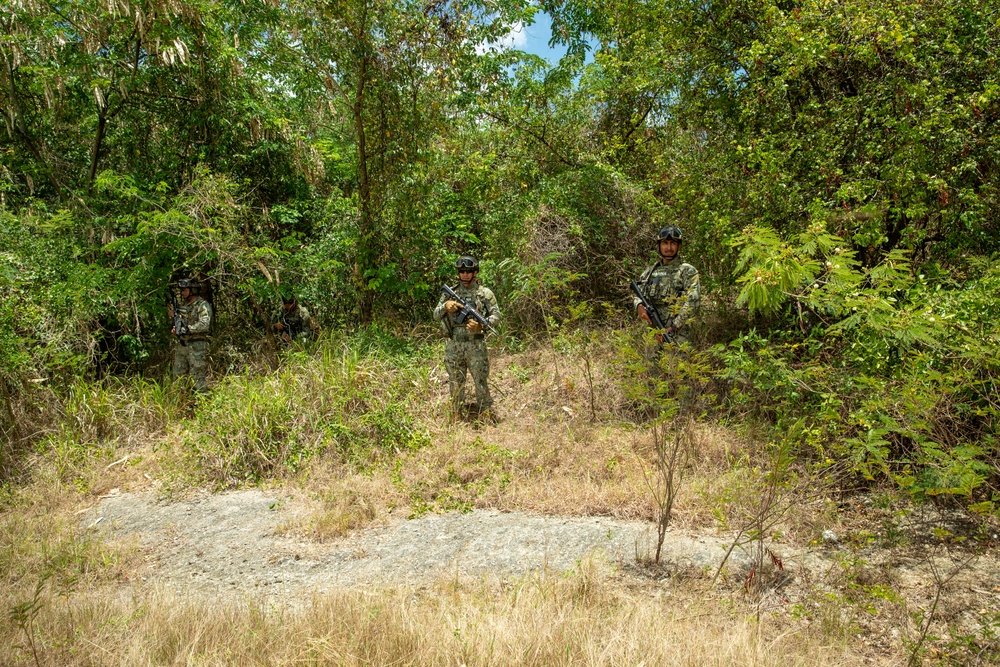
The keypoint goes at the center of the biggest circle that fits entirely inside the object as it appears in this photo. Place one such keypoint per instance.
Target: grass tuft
(589, 619)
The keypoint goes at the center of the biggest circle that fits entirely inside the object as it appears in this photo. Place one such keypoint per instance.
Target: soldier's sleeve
(202, 316)
(690, 300)
(440, 312)
(493, 314)
(635, 300)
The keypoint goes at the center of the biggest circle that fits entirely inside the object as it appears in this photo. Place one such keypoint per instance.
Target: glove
(452, 307)
(474, 327)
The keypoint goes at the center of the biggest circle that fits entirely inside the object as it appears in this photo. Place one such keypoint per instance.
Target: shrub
(348, 396)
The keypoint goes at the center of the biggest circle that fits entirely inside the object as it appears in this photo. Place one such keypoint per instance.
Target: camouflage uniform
(672, 287)
(466, 350)
(297, 323)
(191, 352)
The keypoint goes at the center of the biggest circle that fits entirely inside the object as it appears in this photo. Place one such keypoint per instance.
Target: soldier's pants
(192, 359)
(461, 355)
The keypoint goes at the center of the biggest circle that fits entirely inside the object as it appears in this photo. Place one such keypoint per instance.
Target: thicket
(834, 166)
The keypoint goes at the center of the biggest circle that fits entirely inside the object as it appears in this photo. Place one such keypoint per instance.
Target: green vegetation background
(834, 166)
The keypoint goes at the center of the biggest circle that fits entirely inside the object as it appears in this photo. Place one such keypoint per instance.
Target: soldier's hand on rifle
(644, 315)
(474, 327)
(661, 337)
(170, 312)
(452, 307)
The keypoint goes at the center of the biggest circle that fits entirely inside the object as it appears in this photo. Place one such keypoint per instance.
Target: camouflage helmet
(188, 283)
(466, 262)
(670, 233)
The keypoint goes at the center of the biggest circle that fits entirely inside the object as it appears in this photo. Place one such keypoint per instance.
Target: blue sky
(535, 39)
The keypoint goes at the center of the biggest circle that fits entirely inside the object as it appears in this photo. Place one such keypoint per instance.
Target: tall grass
(85, 418)
(546, 620)
(347, 396)
(358, 428)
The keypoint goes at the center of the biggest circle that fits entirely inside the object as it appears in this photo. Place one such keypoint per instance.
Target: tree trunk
(95, 156)
(21, 127)
(365, 251)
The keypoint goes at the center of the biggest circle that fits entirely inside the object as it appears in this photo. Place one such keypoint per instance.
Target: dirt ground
(232, 541)
(237, 545)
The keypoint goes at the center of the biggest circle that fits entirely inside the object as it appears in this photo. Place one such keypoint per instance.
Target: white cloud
(516, 38)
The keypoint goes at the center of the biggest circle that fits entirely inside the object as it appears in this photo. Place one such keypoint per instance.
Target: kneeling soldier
(293, 321)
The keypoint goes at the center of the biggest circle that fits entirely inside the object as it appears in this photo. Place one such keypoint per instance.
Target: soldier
(671, 287)
(293, 321)
(192, 327)
(466, 347)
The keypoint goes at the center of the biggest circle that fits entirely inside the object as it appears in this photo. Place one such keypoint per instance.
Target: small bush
(348, 397)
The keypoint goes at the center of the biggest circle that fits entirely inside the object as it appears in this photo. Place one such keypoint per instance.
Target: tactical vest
(473, 295)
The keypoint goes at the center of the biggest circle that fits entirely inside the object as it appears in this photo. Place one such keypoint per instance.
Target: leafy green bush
(349, 397)
(892, 369)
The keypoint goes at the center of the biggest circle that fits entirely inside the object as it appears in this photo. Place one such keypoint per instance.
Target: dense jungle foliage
(834, 165)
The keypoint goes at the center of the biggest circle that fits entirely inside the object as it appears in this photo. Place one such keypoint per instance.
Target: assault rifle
(467, 310)
(180, 326)
(292, 331)
(654, 315)
(288, 328)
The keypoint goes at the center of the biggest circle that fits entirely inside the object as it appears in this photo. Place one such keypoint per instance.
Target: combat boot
(488, 416)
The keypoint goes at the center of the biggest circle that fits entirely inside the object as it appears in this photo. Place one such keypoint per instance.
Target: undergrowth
(357, 428)
(589, 619)
(360, 405)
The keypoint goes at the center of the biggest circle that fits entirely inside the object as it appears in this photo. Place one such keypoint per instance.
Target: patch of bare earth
(233, 541)
(234, 544)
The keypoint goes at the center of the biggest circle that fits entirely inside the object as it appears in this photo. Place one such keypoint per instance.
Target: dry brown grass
(340, 499)
(587, 618)
(547, 455)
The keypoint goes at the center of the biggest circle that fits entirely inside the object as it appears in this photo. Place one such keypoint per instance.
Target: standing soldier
(466, 347)
(192, 326)
(293, 321)
(671, 287)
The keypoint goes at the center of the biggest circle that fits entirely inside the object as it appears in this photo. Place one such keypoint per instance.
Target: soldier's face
(186, 293)
(669, 248)
(466, 276)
